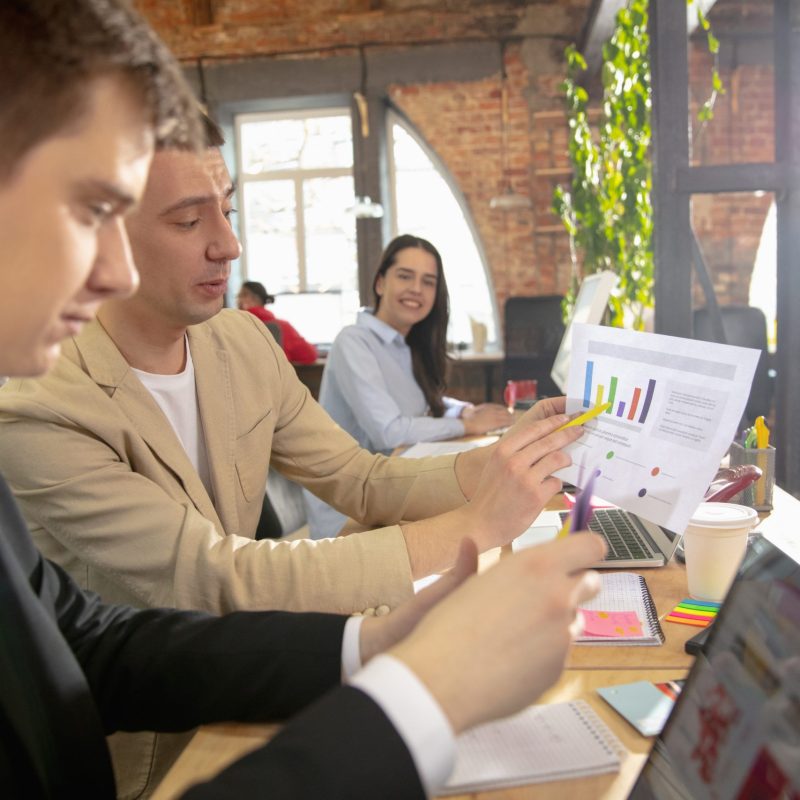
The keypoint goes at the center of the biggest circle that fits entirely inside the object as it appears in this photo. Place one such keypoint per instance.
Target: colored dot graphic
(610, 454)
(655, 471)
(642, 492)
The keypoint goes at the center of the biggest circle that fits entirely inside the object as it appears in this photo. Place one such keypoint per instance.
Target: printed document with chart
(675, 407)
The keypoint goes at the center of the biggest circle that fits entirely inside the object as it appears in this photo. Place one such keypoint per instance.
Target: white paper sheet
(425, 449)
(676, 405)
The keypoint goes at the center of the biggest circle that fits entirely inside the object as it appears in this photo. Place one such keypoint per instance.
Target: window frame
(297, 176)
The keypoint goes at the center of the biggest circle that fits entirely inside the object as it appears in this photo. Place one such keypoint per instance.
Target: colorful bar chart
(615, 389)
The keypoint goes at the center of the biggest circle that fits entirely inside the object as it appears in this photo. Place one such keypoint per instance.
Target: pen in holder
(759, 494)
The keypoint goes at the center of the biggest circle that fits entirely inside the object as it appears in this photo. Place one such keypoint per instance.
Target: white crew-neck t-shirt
(176, 396)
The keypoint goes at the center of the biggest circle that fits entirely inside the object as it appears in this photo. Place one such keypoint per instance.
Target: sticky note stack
(699, 613)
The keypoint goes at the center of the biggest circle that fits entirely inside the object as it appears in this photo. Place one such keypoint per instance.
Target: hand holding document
(672, 407)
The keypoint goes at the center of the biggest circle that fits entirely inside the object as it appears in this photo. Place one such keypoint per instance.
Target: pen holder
(759, 494)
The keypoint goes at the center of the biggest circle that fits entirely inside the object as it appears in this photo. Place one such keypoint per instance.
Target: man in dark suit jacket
(73, 669)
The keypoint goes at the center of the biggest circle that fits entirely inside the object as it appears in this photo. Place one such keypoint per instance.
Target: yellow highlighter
(762, 443)
(564, 529)
(590, 414)
(762, 434)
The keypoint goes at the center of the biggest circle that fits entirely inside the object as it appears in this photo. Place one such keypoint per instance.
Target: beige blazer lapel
(107, 368)
(218, 418)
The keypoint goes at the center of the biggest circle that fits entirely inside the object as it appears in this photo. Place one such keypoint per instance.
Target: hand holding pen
(578, 519)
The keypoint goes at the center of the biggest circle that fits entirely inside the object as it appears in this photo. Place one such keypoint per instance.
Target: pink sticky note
(611, 623)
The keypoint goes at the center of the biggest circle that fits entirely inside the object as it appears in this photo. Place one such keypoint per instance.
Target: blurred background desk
(475, 377)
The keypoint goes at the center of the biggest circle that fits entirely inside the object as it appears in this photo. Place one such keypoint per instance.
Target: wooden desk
(470, 376)
(475, 376)
(216, 746)
(311, 375)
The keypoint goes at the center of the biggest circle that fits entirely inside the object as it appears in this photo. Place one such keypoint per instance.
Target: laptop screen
(735, 730)
(590, 305)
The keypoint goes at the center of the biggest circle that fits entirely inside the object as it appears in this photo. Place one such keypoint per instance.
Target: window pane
(318, 317)
(427, 207)
(271, 145)
(270, 221)
(408, 154)
(331, 261)
(319, 142)
(328, 143)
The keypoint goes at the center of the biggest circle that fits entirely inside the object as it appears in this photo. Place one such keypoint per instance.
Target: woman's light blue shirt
(369, 389)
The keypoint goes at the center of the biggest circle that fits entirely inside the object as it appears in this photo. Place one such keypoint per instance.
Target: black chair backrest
(533, 332)
(275, 330)
(744, 326)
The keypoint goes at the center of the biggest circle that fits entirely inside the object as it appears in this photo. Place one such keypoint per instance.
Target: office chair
(533, 332)
(275, 330)
(744, 326)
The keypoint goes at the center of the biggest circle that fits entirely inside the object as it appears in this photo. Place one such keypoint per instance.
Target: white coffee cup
(714, 544)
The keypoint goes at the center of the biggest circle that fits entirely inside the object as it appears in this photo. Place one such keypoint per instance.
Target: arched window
(427, 204)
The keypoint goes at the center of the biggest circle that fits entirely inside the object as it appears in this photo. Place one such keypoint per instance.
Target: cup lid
(723, 515)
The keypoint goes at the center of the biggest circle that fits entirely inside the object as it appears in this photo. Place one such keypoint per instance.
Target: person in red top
(253, 297)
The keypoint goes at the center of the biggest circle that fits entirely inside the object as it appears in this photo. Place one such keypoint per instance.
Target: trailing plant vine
(607, 209)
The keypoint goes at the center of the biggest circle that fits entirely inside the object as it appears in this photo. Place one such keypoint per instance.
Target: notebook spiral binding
(651, 611)
(599, 730)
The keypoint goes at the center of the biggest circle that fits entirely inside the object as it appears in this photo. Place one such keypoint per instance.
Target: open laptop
(632, 541)
(735, 729)
(590, 305)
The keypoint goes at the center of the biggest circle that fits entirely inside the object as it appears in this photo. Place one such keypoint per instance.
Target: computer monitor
(735, 729)
(590, 305)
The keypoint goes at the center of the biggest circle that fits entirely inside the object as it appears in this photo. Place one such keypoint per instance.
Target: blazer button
(382, 611)
(369, 612)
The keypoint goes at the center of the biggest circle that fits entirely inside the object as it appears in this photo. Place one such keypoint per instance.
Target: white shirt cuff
(351, 648)
(453, 408)
(416, 716)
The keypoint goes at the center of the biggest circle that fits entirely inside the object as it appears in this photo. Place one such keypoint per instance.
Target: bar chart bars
(624, 409)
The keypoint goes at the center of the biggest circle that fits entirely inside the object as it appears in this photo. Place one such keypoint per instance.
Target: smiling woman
(384, 381)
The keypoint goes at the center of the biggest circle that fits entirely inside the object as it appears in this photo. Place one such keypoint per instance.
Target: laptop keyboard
(624, 541)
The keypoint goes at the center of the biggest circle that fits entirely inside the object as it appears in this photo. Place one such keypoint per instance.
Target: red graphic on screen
(716, 720)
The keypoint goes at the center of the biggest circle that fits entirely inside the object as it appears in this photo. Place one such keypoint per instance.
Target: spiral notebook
(625, 592)
(542, 743)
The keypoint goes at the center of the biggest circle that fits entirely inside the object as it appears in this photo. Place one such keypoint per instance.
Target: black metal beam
(259, 79)
(787, 150)
(597, 31)
(600, 22)
(672, 223)
(768, 177)
(370, 180)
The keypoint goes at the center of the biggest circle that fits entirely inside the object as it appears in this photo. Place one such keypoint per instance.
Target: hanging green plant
(607, 209)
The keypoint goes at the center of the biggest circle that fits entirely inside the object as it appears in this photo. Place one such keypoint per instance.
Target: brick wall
(527, 250)
(463, 124)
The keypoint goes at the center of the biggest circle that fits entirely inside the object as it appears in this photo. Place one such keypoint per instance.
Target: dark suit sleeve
(341, 748)
(173, 670)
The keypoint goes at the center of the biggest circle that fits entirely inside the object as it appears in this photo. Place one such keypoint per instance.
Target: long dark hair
(428, 337)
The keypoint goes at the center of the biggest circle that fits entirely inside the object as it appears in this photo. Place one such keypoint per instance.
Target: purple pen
(582, 510)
